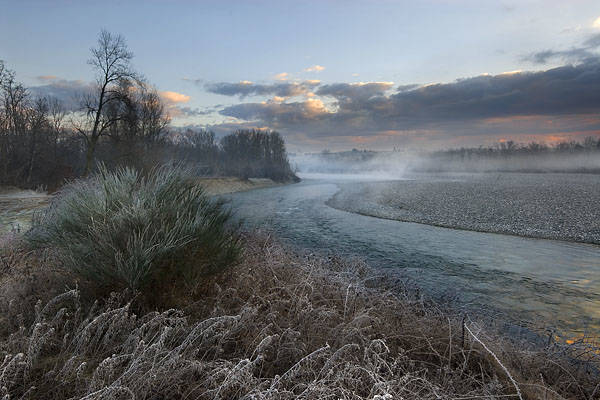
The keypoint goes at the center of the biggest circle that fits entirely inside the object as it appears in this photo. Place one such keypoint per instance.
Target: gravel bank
(551, 206)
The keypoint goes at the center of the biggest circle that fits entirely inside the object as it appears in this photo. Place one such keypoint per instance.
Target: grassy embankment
(268, 323)
(17, 206)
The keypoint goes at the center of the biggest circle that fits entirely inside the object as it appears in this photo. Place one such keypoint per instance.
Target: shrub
(122, 229)
(283, 325)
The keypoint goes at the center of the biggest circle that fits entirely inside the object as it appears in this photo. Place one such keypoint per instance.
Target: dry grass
(280, 325)
(222, 185)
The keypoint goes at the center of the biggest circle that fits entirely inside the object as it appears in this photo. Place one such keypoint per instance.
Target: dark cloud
(584, 53)
(246, 88)
(456, 108)
(406, 88)
(68, 92)
(278, 113)
(354, 91)
(593, 41)
(220, 130)
(563, 90)
(192, 112)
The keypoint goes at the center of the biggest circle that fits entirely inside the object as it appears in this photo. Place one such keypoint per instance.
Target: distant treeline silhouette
(120, 121)
(505, 148)
(509, 156)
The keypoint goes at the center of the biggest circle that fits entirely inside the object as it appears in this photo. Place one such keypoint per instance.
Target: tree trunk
(31, 156)
(89, 157)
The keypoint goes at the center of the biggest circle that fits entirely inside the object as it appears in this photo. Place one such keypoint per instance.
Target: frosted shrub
(120, 228)
(281, 326)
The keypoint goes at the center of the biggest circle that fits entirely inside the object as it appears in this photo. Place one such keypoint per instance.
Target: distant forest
(509, 156)
(589, 144)
(567, 156)
(120, 121)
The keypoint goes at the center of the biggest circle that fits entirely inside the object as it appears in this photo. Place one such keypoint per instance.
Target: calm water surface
(539, 282)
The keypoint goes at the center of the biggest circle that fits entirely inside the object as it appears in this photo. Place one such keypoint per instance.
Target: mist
(353, 165)
(564, 157)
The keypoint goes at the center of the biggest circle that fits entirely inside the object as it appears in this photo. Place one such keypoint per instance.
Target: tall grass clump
(281, 325)
(123, 229)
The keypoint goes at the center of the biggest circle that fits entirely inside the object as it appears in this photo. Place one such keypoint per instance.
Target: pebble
(550, 206)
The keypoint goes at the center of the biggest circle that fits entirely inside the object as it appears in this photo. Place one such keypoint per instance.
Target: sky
(334, 74)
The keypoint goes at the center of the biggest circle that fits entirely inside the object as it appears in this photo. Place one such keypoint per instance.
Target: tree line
(120, 121)
(512, 148)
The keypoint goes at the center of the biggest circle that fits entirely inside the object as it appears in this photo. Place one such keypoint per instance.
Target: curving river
(534, 282)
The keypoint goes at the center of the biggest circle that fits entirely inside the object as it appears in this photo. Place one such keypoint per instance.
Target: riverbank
(548, 206)
(281, 324)
(201, 309)
(17, 206)
(224, 185)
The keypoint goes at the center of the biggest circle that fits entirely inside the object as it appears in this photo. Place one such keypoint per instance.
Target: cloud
(276, 113)
(315, 68)
(564, 90)
(406, 88)
(180, 111)
(596, 23)
(69, 92)
(282, 76)
(354, 91)
(173, 102)
(518, 103)
(585, 52)
(45, 78)
(174, 97)
(247, 88)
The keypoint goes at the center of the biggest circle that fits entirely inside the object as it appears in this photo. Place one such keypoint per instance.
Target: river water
(533, 282)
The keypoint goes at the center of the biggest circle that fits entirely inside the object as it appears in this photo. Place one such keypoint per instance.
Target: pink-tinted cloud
(315, 68)
(174, 97)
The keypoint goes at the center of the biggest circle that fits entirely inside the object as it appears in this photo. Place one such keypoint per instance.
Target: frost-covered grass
(122, 229)
(278, 325)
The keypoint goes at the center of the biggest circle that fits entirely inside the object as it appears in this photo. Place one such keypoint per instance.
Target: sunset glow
(313, 79)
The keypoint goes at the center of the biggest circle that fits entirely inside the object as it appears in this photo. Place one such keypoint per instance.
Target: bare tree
(38, 123)
(14, 120)
(111, 60)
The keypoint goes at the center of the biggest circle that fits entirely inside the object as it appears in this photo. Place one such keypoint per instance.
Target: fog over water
(395, 165)
(532, 282)
(515, 195)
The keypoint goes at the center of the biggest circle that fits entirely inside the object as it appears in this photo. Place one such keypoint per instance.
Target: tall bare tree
(111, 60)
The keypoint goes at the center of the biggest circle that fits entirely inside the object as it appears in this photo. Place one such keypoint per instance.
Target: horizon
(337, 76)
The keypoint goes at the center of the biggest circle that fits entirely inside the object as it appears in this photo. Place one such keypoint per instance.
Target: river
(530, 282)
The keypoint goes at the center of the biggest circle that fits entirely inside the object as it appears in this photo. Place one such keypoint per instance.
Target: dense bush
(252, 153)
(122, 229)
(245, 153)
